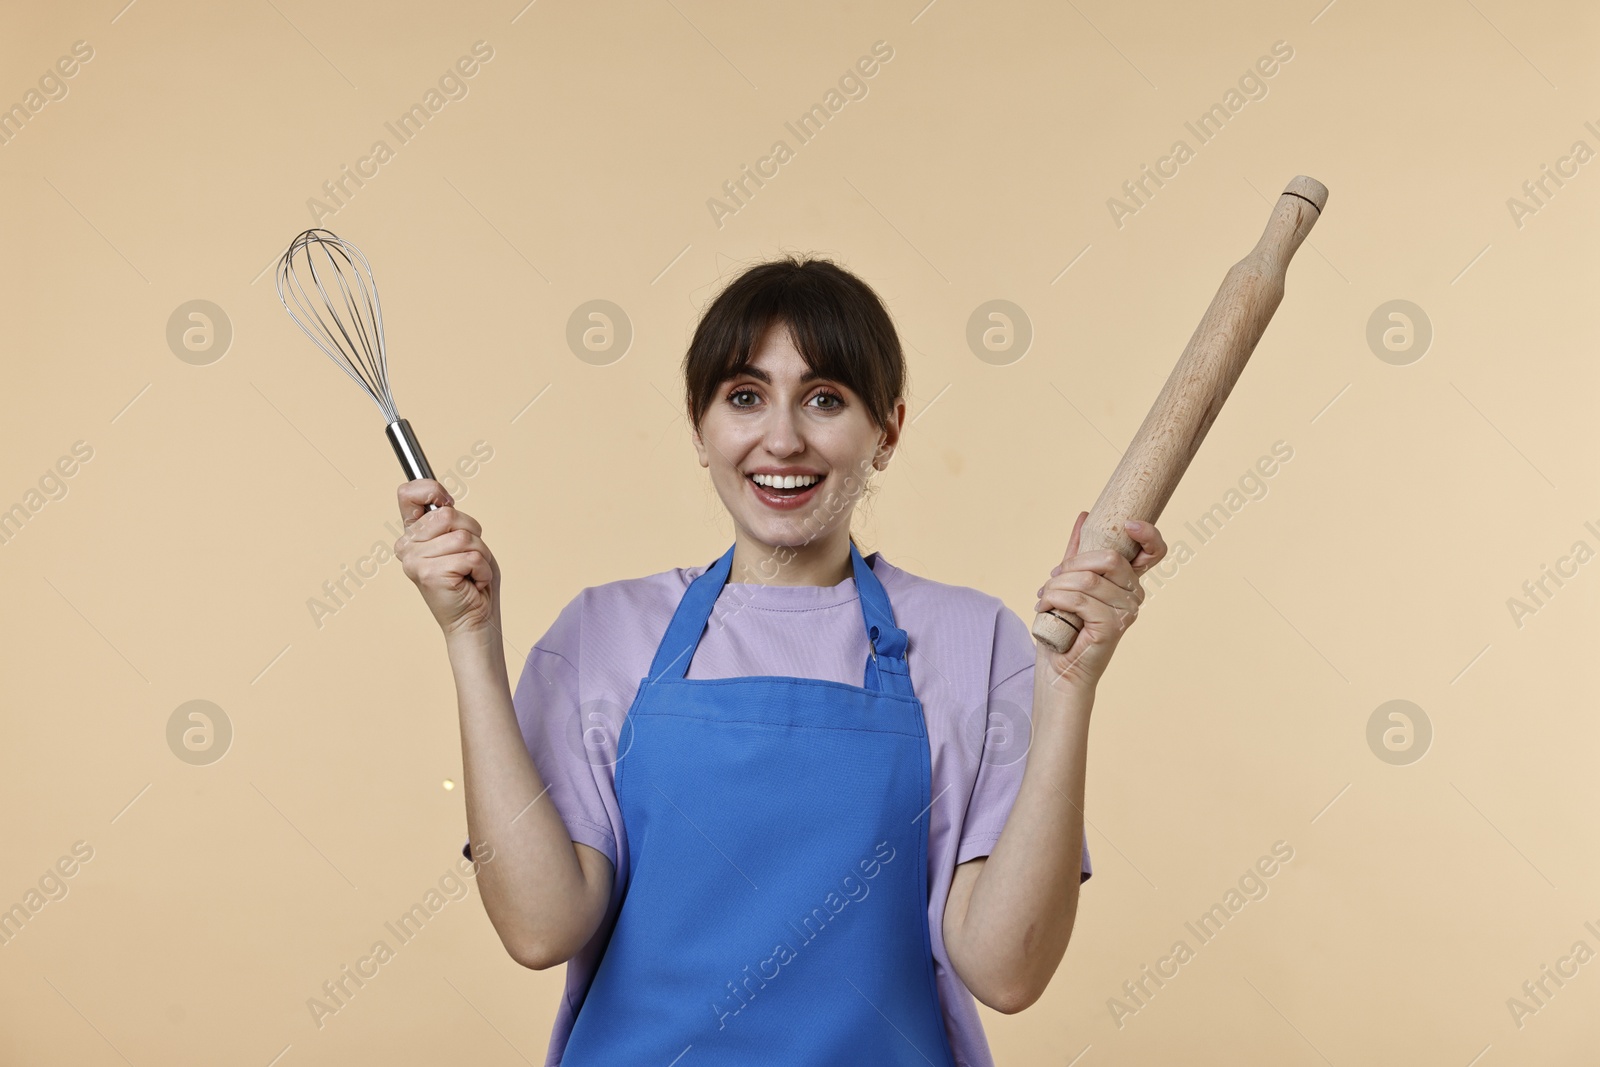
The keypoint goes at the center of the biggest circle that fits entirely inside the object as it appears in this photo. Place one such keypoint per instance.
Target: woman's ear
(891, 435)
(699, 447)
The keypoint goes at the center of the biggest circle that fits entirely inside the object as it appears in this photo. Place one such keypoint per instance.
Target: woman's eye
(832, 401)
(837, 401)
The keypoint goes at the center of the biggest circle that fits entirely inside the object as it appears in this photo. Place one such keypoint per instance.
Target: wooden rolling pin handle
(1195, 391)
(1059, 629)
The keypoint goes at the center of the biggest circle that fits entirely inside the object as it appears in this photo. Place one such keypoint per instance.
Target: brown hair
(836, 320)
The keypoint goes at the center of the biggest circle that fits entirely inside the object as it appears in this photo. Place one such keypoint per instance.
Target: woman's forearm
(1019, 915)
(540, 898)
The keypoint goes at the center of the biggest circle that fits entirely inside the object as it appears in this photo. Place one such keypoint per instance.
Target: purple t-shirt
(971, 661)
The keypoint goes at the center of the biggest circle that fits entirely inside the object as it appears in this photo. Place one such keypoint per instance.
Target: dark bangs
(837, 322)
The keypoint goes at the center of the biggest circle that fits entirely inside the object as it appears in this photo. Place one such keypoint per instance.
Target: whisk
(345, 320)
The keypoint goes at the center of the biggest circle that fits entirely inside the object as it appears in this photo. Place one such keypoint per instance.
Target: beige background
(220, 497)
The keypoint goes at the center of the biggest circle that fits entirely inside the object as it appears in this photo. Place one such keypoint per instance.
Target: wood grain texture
(1195, 391)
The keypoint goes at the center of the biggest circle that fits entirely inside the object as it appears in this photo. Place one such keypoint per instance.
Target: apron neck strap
(886, 669)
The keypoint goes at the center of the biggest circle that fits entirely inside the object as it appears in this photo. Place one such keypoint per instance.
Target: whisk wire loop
(348, 327)
(347, 324)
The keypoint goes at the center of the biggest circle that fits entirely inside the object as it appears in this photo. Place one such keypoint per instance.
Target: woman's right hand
(443, 553)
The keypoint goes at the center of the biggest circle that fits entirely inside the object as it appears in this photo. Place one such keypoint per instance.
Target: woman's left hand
(1102, 589)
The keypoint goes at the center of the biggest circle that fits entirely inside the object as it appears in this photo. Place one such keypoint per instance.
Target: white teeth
(785, 481)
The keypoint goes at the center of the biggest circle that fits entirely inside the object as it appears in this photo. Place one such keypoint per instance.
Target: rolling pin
(1195, 390)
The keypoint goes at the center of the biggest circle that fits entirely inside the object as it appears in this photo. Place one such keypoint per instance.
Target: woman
(813, 838)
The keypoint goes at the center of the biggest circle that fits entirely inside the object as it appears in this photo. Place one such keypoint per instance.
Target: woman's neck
(823, 562)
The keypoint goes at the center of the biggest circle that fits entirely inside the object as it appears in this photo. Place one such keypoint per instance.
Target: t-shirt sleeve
(572, 744)
(1008, 734)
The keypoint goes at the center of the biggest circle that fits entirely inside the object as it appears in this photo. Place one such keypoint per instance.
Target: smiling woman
(794, 383)
(791, 707)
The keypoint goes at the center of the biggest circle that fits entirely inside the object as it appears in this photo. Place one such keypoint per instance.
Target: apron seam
(797, 726)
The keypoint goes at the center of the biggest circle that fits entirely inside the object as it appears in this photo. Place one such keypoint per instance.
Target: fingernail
(1133, 524)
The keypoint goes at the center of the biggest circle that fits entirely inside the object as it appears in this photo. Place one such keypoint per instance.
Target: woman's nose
(782, 436)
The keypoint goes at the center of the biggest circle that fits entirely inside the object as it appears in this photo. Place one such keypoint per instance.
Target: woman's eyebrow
(762, 376)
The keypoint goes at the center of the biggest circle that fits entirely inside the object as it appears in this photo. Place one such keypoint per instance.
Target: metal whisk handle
(409, 451)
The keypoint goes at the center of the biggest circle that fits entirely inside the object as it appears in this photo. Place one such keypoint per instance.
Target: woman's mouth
(785, 493)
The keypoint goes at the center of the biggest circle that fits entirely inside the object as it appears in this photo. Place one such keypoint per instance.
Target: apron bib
(775, 901)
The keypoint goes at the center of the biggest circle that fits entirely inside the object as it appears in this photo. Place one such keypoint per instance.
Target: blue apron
(775, 901)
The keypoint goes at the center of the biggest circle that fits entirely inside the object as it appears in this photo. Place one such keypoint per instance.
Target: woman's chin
(785, 532)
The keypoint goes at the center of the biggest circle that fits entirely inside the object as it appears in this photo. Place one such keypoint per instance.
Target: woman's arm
(544, 893)
(1009, 916)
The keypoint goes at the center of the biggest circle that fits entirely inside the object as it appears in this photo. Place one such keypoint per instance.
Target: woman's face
(773, 422)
